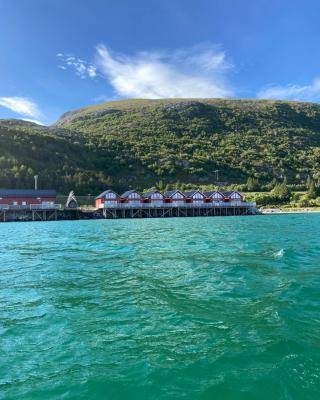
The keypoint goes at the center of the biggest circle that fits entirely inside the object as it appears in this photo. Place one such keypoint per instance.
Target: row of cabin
(175, 197)
(27, 197)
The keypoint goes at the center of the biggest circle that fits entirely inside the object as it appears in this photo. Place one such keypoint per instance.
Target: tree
(281, 191)
(312, 190)
(252, 184)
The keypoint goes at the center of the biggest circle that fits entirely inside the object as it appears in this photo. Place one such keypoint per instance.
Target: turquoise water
(195, 308)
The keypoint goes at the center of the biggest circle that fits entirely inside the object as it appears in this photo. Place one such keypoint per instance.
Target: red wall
(99, 202)
(28, 200)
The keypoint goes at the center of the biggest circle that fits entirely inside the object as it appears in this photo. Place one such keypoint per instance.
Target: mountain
(139, 143)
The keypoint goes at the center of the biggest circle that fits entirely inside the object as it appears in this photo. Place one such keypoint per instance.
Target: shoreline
(277, 211)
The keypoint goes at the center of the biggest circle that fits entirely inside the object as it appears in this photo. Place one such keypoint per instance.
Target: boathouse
(132, 197)
(27, 197)
(108, 198)
(175, 197)
(214, 195)
(194, 196)
(232, 196)
(153, 196)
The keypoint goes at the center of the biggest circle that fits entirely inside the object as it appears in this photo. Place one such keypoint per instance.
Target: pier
(36, 212)
(182, 210)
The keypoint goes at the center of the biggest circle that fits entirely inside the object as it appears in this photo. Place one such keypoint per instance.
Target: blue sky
(58, 55)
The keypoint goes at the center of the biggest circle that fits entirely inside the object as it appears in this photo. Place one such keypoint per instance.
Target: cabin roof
(228, 193)
(209, 193)
(170, 193)
(101, 195)
(150, 193)
(190, 193)
(128, 192)
(27, 193)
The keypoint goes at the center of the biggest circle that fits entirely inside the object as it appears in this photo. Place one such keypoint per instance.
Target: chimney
(36, 182)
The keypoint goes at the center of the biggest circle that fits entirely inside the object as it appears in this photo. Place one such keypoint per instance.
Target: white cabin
(195, 196)
(176, 197)
(214, 195)
(132, 197)
(154, 197)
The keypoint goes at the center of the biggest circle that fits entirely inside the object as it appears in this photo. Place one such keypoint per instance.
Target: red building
(107, 198)
(27, 197)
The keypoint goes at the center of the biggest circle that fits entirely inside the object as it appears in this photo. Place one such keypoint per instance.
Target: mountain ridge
(141, 143)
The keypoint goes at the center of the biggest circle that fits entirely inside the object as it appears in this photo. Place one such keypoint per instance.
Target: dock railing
(180, 205)
(34, 207)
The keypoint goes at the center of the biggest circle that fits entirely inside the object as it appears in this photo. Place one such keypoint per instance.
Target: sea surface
(185, 308)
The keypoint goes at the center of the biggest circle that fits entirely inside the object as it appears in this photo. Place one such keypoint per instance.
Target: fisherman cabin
(153, 196)
(194, 196)
(27, 197)
(175, 197)
(108, 198)
(213, 195)
(132, 197)
(232, 196)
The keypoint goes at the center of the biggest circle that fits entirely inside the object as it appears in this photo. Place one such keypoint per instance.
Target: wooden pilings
(167, 212)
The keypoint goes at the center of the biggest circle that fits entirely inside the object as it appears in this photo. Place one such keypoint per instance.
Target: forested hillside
(139, 143)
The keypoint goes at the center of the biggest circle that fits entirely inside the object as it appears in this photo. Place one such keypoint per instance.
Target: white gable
(235, 195)
(111, 195)
(198, 195)
(134, 196)
(177, 195)
(217, 195)
(156, 196)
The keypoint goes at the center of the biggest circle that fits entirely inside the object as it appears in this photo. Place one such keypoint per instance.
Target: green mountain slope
(137, 143)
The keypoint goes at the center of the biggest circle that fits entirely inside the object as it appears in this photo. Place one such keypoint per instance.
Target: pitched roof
(209, 193)
(101, 195)
(228, 193)
(27, 193)
(128, 192)
(150, 193)
(190, 193)
(170, 193)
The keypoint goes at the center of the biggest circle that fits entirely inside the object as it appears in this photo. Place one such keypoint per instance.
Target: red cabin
(108, 198)
(27, 197)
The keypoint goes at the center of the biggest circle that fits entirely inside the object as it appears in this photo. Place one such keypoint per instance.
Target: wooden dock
(185, 210)
(19, 214)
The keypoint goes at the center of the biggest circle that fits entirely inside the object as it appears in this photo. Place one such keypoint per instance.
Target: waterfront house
(232, 196)
(153, 196)
(108, 198)
(213, 195)
(27, 197)
(132, 197)
(175, 197)
(194, 196)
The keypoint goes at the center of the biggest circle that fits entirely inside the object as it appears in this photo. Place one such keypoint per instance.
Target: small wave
(279, 254)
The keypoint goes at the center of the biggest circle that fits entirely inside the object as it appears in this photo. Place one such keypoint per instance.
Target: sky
(58, 55)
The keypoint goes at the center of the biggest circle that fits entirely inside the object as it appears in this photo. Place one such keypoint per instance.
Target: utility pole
(36, 182)
(216, 172)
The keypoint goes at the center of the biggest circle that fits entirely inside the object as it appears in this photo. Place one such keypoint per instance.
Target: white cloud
(33, 120)
(292, 92)
(196, 72)
(21, 105)
(81, 67)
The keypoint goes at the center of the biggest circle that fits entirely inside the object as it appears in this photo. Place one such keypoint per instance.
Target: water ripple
(196, 308)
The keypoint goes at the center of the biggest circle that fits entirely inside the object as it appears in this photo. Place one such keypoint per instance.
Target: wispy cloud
(81, 67)
(21, 105)
(35, 121)
(196, 72)
(292, 92)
